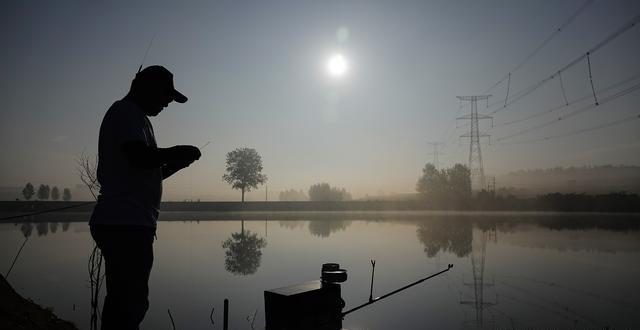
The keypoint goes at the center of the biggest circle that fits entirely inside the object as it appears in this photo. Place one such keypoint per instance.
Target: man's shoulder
(123, 110)
(125, 107)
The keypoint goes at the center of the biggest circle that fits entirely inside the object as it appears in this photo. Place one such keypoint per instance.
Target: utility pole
(435, 152)
(474, 135)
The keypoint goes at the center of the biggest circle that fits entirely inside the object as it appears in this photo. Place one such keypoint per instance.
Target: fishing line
(191, 173)
(46, 211)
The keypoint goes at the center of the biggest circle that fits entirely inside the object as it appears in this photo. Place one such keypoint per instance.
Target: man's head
(153, 90)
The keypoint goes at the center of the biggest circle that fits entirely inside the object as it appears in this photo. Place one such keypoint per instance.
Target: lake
(511, 270)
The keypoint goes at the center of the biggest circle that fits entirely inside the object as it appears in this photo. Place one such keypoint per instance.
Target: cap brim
(179, 97)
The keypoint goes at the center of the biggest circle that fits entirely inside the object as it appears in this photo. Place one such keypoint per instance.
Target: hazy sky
(255, 75)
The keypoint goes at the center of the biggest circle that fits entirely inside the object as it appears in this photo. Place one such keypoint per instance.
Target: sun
(337, 66)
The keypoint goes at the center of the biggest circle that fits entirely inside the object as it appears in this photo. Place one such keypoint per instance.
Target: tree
(66, 194)
(433, 183)
(55, 193)
(244, 170)
(459, 180)
(446, 185)
(324, 192)
(87, 167)
(43, 192)
(28, 191)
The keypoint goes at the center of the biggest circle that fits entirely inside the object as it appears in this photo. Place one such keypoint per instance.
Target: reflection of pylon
(474, 135)
(478, 254)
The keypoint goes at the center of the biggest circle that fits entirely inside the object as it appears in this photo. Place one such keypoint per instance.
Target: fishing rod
(146, 52)
(375, 300)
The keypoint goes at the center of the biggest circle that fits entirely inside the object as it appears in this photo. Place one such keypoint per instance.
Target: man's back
(129, 195)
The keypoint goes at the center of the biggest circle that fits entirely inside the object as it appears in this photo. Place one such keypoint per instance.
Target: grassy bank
(17, 312)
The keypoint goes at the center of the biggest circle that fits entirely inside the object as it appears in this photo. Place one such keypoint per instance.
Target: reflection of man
(130, 170)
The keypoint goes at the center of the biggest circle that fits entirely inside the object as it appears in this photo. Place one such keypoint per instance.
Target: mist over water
(535, 270)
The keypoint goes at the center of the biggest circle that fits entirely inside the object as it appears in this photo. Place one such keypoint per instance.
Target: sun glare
(337, 66)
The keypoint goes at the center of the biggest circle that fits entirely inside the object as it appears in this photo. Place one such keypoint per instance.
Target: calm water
(531, 271)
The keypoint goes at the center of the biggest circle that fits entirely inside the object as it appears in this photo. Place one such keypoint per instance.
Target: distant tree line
(450, 188)
(292, 195)
(323, 192)
(319, 192)
(45, 192)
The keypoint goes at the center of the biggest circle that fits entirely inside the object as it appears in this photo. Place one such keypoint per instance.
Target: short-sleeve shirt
(129, 195)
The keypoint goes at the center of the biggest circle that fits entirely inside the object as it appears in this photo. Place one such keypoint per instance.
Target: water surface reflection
(511, 270)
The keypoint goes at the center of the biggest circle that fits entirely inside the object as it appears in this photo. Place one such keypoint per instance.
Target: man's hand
(185, 153)
(143, 156)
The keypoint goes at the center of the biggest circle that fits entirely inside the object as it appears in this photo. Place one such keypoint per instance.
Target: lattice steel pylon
(475, 152)
(436, 151)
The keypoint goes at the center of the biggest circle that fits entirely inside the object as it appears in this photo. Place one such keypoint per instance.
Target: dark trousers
(128, 257)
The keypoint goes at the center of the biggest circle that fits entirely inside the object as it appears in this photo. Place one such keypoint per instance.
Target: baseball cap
(160, 76)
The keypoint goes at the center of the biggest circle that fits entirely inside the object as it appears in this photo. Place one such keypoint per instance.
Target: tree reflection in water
(324, 228)
(27, 229)
(447, 235)
(42, 228)
(242, 254)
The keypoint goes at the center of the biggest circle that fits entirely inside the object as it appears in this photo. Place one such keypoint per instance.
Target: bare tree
(87, 167)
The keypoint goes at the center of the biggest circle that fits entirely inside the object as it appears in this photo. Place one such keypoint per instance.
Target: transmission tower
(474, 135)
(436, 152)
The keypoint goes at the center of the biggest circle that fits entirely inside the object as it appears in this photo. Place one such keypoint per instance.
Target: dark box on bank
(311, 305)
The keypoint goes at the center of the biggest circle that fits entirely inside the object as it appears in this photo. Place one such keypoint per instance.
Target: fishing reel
(332, 274)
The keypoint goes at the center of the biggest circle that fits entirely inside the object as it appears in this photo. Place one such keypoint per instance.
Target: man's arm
(142, 156)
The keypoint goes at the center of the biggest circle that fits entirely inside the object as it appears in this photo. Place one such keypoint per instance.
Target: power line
(569, 103)
(528, 90)
(574, 113)
(576, 132)
(542, 45)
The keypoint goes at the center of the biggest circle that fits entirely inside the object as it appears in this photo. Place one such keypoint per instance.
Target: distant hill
(586, 179)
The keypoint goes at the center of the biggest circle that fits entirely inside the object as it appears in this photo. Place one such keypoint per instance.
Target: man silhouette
(131, 168)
